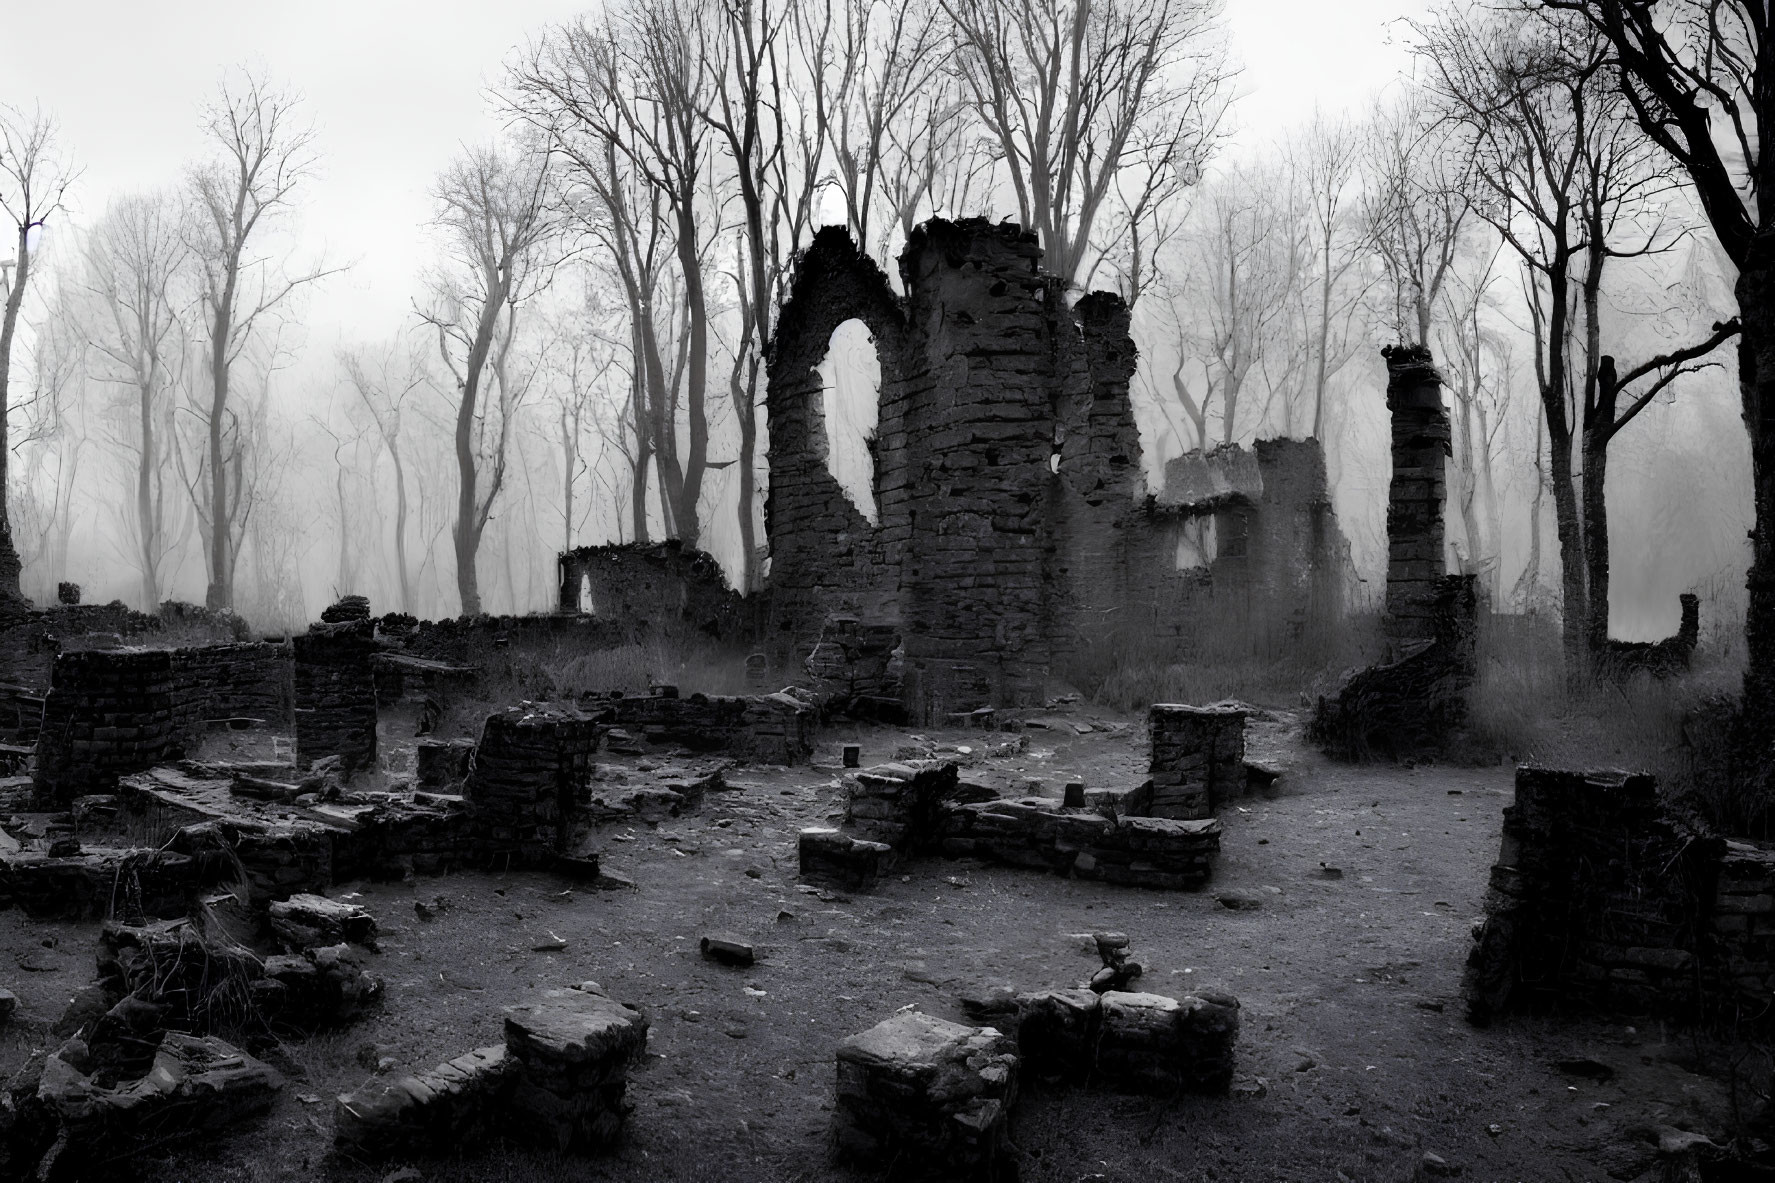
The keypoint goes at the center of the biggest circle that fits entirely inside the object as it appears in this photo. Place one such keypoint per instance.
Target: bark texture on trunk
(1756, 378)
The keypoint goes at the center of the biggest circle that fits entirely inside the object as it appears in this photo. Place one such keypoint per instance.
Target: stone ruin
(1160, 834)
(1603, 897)
(1010, 530)
(938, 1095)
(653, 587)
(1414, 703)
(1259, 526)
(558, 1083)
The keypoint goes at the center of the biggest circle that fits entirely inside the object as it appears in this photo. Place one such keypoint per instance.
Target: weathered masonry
(1012, 526)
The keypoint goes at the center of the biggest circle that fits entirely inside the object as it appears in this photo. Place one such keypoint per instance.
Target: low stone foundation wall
(1604, 898)
(558, 1083)
(1038, 832)
(767, 728)
(922, 806)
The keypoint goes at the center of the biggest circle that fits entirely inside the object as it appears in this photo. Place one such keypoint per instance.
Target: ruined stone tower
(1415, 496)
(1006, 458)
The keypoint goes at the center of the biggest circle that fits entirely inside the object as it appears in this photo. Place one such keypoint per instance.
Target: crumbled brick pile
(206, 983)
(335, 691)
(1198, 758)
(922, 1090)
(530, 779)
(68, 1116)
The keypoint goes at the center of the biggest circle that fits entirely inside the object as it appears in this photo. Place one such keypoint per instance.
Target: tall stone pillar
(1421, 448)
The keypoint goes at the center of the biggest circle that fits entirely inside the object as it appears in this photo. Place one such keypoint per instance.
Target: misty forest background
(585, 358)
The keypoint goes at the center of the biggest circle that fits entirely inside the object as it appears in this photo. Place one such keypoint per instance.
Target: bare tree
(34, 177)
(263, 155)
(1475, 367)
(496, 214)
(625, 103)
(53, 437)
(134, 256)
(1571, 186)
(1326, 161)
(1072, 92)
(1416, 205)
(385, 377)
(1244, 274)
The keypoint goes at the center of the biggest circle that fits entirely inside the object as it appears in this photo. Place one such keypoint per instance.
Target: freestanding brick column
(530, 772)
(1198, 758)
(1414, 498)
(335, 690)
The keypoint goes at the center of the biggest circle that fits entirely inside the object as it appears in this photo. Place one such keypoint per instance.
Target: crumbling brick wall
(111, 712)
(825, 557)
(1279, 557)
(1007, 461)
(653, 588)
(108, 713)
(335, 694)
(1604, 897)
(247, 679)
(1013, 530)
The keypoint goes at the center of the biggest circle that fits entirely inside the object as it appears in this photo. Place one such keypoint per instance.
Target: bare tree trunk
(1756, 378)
(400, 529)
(11, 597)
(148, 520)
(220, 593)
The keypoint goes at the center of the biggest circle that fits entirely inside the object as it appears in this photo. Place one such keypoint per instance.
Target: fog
(423, 134)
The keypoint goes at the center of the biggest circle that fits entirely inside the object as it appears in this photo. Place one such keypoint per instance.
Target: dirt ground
(1354, 1058)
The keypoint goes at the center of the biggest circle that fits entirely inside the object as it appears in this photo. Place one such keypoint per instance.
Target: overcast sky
(396, 86)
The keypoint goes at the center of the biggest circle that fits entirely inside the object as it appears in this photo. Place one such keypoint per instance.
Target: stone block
(574, 1048)
(926, 1091)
